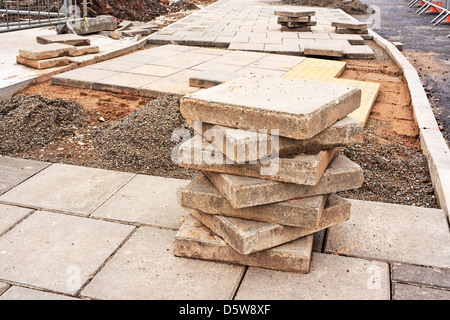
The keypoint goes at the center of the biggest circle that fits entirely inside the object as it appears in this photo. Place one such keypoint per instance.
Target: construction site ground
(400, 231)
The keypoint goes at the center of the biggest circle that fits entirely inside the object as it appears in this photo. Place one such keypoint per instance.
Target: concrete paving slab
(154, 70)
(58, 252)
(81, 78)
(68, 38)
(145, 265)
(202, 195)
(393, 233)
(350, 25)
(211, 78)
(330, 278)
(145, 200)
(82, 50)
(194, 240)
(418, 275)
(177, 83)
(327, 48)
(123, 82)
(294, 115)
(401, 291)
(115, 65)
(14, 171)
(3, 287)
(67, 188)
(22, 293)
(39, 51)
(305, 168)
(359, 52)
(294, 13)
(10, 215)
(43, 64)
(248, 236)
(342, 174)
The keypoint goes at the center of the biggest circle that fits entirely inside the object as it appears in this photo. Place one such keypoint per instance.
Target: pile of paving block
(55, 50)
(298, 21)
(351, 27)
(267, 148)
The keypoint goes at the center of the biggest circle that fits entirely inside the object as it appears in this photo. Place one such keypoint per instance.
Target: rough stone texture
(58, 252)
(147, 200)
(393, 233)
(328, 48)
(330, 278)
(21, 293)
(47, 51)
(10, 215)
(350, 25)
(202, 195)
(194, 240)
(145, 268)
(342, 174)
(82, 50)
(97, 24)
(306, 169)
(244, 145)
(211, 78)
(248, 236)
(401, 291)
(421, 275)
(43, 64)
(68, 38)
(67, 188)
(14, 171)
(290, 105)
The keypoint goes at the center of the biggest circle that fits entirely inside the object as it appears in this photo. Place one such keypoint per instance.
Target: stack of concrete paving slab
(54, 51)
(267, 149)
(351, 27)
(298, 21)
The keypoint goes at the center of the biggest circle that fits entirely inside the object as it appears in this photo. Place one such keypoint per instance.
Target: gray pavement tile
(10, 215)
(81, 78)
(330, 277)
(125, 81)
(401, 291)
(67, 188)
(421, 275)
(146, 268)
(148, 200)
(21, 293)
(58, 252)
(14, 171)
(393, 233)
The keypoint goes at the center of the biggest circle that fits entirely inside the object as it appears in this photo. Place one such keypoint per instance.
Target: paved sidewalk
(69, 232)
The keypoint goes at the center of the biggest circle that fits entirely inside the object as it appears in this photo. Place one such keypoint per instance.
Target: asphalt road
(426, 46)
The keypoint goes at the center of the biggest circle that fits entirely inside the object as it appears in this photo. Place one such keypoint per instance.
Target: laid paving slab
(269, 103)
(211, 78)
(393, 233)
(350, 25)
(21, 293)
(82, 50)
(43, 64)
(3, 287)
(81, 78)
(39, 51)
(123, 82)
(68, 38)
(146, 264)
(14, 171)
(146, 200)
(426, 276)
(67, 188)
(305, 169)
(327, 48)
(58, 252)
(202, 195)
(342, 174)
(248, 236)
(401, 291)
(194, 240)
(10, 215)
(247, 145)
(330, 278)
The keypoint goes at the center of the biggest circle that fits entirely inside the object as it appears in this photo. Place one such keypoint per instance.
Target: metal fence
(441, 8)
(26, 14)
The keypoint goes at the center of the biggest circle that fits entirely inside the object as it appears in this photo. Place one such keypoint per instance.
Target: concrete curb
(433, 144)
(7, 92)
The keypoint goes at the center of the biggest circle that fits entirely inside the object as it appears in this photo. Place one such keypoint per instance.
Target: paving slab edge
(433, 144)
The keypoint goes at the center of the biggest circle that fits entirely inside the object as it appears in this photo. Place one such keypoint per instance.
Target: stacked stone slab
(267, 148)
(351, 27)
(295, 20)
(54, 51)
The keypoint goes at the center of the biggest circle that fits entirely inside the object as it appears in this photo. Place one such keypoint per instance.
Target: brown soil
(351, 7)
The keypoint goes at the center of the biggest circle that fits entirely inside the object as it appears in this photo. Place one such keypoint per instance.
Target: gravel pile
(142, 141)
(28, 122)
(393, 173)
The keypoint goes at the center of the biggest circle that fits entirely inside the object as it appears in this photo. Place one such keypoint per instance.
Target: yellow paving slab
(369, 93)
(316, 69)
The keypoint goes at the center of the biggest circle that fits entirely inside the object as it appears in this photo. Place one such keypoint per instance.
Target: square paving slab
(67, 188)
(10, 215)
(259, 102)
(58, 252)
(146, 268)
(196, 241)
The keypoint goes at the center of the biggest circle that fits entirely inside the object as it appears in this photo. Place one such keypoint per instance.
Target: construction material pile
(353, 27)
(267, 147)
(299, 21)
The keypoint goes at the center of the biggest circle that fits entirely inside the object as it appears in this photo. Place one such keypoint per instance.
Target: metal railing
(441, 7)
(26, 14)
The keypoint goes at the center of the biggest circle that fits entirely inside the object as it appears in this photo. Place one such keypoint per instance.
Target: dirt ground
(349, 6)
